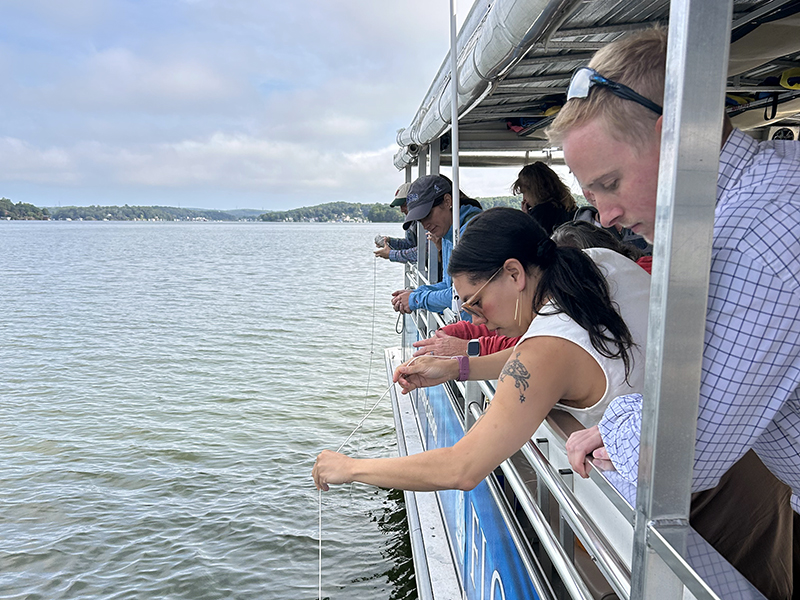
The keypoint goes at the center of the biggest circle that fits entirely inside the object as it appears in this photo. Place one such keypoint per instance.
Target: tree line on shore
(331, 211)
(351, 211)
(21, 211)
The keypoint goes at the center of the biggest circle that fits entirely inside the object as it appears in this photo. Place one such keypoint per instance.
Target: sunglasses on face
(468, 306)
(585, 78)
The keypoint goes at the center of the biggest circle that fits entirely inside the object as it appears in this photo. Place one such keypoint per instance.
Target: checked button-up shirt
(749, 394)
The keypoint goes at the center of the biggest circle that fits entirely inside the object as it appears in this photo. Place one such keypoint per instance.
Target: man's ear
(659, 124)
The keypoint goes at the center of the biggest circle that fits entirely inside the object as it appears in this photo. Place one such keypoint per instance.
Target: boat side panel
(490, 564)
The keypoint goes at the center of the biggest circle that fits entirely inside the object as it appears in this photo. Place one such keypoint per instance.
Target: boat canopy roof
(516, 57)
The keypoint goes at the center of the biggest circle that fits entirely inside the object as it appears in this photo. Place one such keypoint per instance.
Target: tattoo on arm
(517, 371)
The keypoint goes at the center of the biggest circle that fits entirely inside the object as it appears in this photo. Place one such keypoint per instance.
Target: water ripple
(165, 389)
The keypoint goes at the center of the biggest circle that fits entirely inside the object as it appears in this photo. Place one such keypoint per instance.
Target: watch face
(473, 348)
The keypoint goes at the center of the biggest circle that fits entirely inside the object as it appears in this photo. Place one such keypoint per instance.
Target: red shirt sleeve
(495, 343)
(646, 262)
(466, 330)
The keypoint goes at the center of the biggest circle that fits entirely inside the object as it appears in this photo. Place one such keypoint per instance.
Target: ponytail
(569, 278)
(577, 288)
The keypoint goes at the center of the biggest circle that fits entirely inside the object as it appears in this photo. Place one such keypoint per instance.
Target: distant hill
(493, 201)
(21, 211)
(352, 211)
(337, 211)
(138, 213)
(245, 213)
(329, 212)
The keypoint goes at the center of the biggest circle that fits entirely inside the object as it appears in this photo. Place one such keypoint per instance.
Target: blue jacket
(438, 296)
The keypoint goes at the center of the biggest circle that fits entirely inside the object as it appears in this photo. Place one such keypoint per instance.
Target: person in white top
(584, 316)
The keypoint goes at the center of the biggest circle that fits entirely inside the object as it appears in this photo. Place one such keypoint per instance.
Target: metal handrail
(607, 559)
(521, 544)
(570, 577)
(595, 542)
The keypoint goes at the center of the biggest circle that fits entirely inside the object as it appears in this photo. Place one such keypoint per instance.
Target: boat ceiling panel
(522, 99)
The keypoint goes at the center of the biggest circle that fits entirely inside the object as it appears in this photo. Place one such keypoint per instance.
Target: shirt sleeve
(435, 297)
(465, 330)
(495, 343)
(402, 243)
(621, 428)
(403, 256)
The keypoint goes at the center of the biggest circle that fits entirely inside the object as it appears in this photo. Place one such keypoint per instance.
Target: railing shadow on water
(390, 518)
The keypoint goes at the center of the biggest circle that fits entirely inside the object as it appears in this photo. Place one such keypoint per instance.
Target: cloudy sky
(215, 103)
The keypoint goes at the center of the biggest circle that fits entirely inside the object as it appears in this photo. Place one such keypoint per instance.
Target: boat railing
(693, 561)
(667, 558)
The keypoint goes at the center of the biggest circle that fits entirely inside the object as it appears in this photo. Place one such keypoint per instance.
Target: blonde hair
(638, 61)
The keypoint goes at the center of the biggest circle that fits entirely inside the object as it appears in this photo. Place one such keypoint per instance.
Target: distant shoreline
(331, 212)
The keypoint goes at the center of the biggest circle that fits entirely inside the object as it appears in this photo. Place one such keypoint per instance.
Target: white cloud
(221, 162)
(111, 98)
(24, 162)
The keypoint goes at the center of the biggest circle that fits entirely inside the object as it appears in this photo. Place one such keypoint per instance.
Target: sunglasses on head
(585, 78)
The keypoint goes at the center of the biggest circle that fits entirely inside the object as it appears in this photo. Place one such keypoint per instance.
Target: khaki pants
(747, 518)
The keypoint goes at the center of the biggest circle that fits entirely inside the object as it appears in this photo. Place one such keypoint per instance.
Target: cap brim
(398, 202)
(418, 212)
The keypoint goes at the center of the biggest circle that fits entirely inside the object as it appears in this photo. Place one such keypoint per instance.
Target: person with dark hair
(582, 234)
(544, 196)
(465, 338)
(430, 202)
(589, 214)
(582, 344)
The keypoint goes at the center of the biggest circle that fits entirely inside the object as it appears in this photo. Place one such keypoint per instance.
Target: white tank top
(629, 287)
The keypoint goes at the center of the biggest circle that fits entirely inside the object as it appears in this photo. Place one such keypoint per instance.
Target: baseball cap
(423, 193)
(400, 195)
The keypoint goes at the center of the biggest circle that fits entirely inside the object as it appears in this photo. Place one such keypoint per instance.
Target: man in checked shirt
(749, 395)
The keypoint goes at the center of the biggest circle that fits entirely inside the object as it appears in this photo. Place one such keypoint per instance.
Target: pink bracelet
(463, 367)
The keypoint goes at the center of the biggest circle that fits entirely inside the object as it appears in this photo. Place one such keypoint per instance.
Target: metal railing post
(697, 58)
(473, 396)
(454, 121)
(422, 162)
(436, 156)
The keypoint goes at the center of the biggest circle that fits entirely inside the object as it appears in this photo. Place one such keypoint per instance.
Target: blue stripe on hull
(488, 561)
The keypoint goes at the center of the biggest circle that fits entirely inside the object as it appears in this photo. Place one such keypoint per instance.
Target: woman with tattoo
(582, 315)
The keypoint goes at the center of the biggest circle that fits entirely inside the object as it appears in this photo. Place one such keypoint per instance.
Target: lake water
(165, 388)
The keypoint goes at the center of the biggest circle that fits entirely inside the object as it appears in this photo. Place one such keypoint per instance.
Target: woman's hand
(400, 301)
(437, 240)
(425, 371)
(331, 468)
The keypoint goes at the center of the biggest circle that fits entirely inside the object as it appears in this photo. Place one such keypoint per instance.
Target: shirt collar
(738, 150)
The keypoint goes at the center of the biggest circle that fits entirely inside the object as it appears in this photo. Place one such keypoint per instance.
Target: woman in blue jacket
(430, 202)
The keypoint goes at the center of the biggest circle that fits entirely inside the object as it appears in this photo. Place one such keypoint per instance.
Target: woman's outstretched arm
(542, 371)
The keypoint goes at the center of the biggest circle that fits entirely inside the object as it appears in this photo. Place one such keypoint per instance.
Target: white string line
(366, 395)
(372, 336)
(319, 492)
(361, 422)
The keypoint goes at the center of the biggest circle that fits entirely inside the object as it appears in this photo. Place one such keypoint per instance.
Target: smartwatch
(474, 347)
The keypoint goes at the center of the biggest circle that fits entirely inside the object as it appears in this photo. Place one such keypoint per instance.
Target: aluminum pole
(697, 59)
(454, 121)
